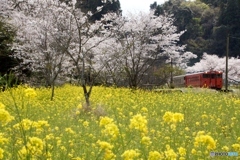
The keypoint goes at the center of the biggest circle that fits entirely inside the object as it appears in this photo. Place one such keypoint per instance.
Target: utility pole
(226, 70)
(171, 78)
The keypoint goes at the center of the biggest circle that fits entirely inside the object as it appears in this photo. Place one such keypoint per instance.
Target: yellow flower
(219, 121)
(236, 147)
(71, 143)
(63, 148)
(40, 124)
(77, 112)
(105, 121)
(193, 151)
(59, 141)
(205, 123)
(173, 127)
(167, 138)
(238, 139)
(2, 106)
(182, 151)
(170, 117)
(139, 122)
(49, 136)
(237, 101)
(34, 148)
(225, 148)
(5, 117)
(30, 93)
(233, 118)
(146, 140)
(144, 110)
(107, 148)
(79, 106)
(69, 130)
(85, 123)
(169, 153)
(104, 145)
(155, 155)
(25, 124)
(111, 130)
(23, 152)
(204, 116)
(70, 155)
(204, 139)
(109, 155)
(130, 154)
(178, 117)
(35, 145)
(3, 140)
(1, 153)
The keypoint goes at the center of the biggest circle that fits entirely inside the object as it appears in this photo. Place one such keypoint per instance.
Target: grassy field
(121, 124)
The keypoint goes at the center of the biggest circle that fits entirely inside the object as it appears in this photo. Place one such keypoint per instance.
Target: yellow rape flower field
(121, 124)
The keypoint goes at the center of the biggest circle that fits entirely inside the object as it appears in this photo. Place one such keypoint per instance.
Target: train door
(213, 80)
(219, 81)
(206, 80)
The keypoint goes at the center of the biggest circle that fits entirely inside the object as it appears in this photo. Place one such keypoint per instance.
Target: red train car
(210, 79)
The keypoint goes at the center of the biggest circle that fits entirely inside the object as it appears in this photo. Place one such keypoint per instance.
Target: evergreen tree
(6, 38)
(228, 23)
(91, 5)
(207, 23)
(230, 15)
(214, 3)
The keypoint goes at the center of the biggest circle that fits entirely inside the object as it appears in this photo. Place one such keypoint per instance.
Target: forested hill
(91, 5)
(208, 22)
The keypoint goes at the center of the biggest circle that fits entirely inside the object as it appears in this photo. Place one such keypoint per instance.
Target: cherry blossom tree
(139, 41)
(111, 68)
(6, 8)
(84, 38)
(55, 38)
(35, 45)
(213, 62)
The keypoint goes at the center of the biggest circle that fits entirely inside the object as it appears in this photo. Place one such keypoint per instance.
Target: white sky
(137, 5)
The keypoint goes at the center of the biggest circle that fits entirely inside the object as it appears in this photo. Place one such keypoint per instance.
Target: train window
(205, 76)
(219, 75)
(213, 75)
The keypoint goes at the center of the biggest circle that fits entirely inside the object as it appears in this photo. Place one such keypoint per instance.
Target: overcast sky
(137, 5)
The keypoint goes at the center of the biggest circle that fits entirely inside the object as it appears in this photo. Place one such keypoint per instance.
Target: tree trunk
(53, 89)
(133, 82)
(87, 94)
